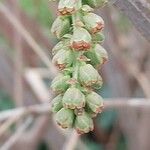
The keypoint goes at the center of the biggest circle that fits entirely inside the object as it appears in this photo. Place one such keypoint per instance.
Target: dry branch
(45, 108)
(15, 137)
(138, 11)
(26, 36)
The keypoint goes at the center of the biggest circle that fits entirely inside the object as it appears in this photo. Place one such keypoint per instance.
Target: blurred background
(26, 73)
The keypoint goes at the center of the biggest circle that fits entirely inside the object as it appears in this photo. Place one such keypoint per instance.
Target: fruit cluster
(78, 55)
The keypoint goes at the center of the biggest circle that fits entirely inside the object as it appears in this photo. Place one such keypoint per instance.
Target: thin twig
(27, 37)
(45, 108)
(16, 135)
(71, 141)
(6, 125)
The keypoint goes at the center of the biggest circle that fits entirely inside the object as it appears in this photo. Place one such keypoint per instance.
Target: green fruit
(83, 123)
(65, 118)
(63, 58)
(73, 99)
(66, 7)
(81, 39)
(97, 55)
(56, 103)
(98, 38)
(93, 22)
(59, 83)
(89, 76)
(60, 27)
(94, 102)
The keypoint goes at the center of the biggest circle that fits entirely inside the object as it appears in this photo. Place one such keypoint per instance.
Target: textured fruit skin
(73, 98)
(84, 123)
(63, 59)
(93, 22)
(81, 39)
(89, 76)
(57, 103)
(60, 27)
(97, 55)
(66, 7)
(59, 83)
(78, 55)
(94, 102)
(65, 118)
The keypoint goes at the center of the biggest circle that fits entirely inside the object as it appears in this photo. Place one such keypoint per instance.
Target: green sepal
(66, 7)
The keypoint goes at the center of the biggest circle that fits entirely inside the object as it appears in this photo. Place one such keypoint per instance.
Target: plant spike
(78, 55)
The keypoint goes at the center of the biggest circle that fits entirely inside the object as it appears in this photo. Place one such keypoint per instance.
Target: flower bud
(66, 7)
(96, 3)
(57, 103)
(94, 102)
(83, 123)
(59, 84)
(98, 38)
(60, 27)
(65, 118)
(93, 22)
(73, 98)
(97, 55)
(89, 76)
(81, 39)
(63, 59)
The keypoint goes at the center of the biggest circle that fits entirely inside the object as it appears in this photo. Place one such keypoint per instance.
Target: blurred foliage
(123, 23)
(5, 101)
(39, 9)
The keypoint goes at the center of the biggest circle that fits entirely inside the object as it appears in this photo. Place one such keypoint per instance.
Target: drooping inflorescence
(78, 56)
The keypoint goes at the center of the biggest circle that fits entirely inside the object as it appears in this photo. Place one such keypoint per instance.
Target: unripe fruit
(59, 83)
(98, 38)
(97, 55)
(93, 22)
(63, 58)
(94, 102)
(65, 118)
(89, 76)
(56, 103)
(73, 99)
(60, 26)
(60, 45)
(83, 123)
(66, 7)
(81, 39)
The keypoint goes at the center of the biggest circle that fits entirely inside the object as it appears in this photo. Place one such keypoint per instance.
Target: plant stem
(75, 18)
